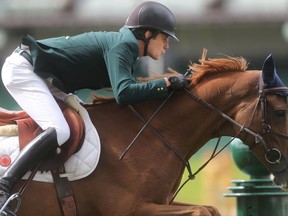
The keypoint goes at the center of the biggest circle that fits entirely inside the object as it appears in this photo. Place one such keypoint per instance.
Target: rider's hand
(177, 82)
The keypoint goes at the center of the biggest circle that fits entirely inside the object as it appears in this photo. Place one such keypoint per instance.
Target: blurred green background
(252, 29)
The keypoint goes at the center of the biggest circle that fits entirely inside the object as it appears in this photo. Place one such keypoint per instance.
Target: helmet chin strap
(146, 44)
(147, 40)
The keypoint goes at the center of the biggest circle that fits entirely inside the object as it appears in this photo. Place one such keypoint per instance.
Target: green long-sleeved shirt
(94, 60)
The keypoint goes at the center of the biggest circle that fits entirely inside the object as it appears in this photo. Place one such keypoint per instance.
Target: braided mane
(212, 66)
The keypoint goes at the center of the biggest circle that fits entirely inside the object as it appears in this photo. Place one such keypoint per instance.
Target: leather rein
(273, 156)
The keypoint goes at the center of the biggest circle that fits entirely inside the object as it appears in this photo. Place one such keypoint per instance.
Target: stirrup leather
(4, 211)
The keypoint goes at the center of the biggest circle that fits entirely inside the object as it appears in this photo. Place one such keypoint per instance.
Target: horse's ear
(269, 74)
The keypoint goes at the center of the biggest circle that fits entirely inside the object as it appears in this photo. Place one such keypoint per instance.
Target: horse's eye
(281, 113)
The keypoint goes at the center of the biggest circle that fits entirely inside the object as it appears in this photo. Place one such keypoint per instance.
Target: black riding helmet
(152, 15)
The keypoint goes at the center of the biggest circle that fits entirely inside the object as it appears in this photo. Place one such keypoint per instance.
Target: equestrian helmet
(152, 15)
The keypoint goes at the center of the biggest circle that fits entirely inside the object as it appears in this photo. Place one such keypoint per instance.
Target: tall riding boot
(31, 154)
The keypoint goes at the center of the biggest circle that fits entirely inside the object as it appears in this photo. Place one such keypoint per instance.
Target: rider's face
(157, 46)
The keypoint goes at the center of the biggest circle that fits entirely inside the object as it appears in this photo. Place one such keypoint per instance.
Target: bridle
(273, 156)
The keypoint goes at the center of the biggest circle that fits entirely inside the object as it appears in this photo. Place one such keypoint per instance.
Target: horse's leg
(176, 209)
(213, 211)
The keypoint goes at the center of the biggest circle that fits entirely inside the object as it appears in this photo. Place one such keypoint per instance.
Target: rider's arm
(119, 61)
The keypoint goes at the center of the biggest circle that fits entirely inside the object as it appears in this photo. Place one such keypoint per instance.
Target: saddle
(28, 129)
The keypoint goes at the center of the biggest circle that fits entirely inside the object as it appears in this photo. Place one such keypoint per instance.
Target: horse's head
(271, 144)
(253, 101)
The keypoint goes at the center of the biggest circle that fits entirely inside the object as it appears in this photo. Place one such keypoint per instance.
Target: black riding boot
(31, 154)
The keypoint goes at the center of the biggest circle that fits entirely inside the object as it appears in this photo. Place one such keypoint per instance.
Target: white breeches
(34, 96)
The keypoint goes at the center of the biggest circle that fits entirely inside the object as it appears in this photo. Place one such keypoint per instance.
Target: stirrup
(8, 212)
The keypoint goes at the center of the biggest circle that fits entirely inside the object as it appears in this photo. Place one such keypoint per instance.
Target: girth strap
(65, 193)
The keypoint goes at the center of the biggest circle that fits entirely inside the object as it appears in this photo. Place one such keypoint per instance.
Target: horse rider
(39, 70)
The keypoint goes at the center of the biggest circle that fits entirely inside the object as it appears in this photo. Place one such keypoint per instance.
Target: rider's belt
(25, 54)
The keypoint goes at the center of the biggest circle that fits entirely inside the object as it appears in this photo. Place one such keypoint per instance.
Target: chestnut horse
(223, 99)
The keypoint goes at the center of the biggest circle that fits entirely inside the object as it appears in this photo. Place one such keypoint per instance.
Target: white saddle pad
(80, 165)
